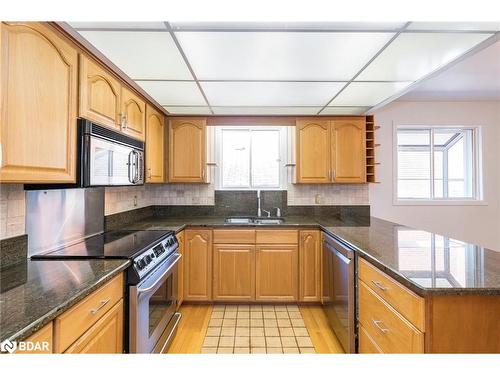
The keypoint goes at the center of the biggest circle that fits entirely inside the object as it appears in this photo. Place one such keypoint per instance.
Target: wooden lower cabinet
(104, 337)
(276, 273)
(366, 343)
(233, 272)
(38, 343)
(180, 270)
(198, 265)
(310, 265)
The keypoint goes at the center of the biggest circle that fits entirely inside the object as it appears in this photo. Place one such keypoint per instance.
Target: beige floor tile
(211, 342)
(257, 342)
(218, 308)
(217, 315)
(243, 323)
(241, 350)
(304, 342)
(298, 322)
(269, 315)
(226, 342)
(283, 323)
(258, 350)
(230, 315)
(292, 308)
(300, 331)
(286, 332)
(256, 331)
(225, 351)
(242, 331)
(307, 351)
(255, 314)
(288, 342)
(215, 323)
(270, 323)
(291, 350)
(242, 341)
(280, 308)
(271, 331)
(208, 350)
(256, 308)
(274, 350)
(256, 323)
(273, 342)
(229, 322)
(295, 315)
(268, 308)
(282, 314)
(227, 331)
(243, 315)
(231, 308)
(213, 331)
(243, 307)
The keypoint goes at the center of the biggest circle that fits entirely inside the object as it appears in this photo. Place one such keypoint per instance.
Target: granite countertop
(425, 262)
(34, 292)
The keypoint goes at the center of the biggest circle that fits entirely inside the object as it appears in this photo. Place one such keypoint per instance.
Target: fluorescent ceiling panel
(270, 93)
(279, 55)
(344, 110)
(119, 25)
(141, 55)
(459, 26)
(367, 93)
(174, 93)
(266, 110)
(313, 26)
(413, 55)
(188, 110)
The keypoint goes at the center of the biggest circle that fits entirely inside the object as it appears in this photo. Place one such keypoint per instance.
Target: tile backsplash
(12, 210)
(328, 195)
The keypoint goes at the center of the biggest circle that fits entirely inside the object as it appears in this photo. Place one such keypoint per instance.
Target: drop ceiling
(281, 68)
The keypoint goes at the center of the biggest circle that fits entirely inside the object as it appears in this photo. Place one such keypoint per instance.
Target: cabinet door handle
(378, 324)
(103, 303)
(203, 174)
(334, 174)
(149, 172)
(379, 285)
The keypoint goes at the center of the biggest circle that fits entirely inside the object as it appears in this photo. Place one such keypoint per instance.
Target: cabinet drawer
(70, 325)
(234, 236)
(276, 236)
(407, 303)
(390, 331)
(366, 343)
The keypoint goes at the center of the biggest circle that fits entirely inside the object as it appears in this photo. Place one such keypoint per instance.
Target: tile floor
(258, 329)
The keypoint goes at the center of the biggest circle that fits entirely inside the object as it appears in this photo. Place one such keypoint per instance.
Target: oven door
(153, 304)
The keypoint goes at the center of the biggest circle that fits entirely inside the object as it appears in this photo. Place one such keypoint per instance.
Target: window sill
(458, 202)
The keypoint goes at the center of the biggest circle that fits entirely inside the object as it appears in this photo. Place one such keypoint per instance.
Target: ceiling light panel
(266, 110)
(174, 93)
(344, 110)
(270, 93)
(413, 55)
(283, 26)
(119, 25)
(367, 93)
(279, 55)
(188, 110)
(458, 26)
(141, 55)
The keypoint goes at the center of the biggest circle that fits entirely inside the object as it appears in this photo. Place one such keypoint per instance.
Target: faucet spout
(259, 212)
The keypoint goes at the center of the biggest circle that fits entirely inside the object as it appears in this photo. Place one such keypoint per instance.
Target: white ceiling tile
(119, 25)
(174, 93)
(367, 93)
(266, 110)
(344, 110)
(188, 110)
(141, 55)
(283, 26)
(413, 55)
(459, 26)
(270, 93)
(279, 55)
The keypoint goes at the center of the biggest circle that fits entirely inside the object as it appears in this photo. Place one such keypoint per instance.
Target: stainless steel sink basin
(275, 221)
(255, 220)
(239, 220)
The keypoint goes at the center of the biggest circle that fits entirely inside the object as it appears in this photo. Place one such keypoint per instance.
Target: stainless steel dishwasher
(338, 297)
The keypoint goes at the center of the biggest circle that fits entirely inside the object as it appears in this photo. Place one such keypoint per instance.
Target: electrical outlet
(317, 199)
(135, 200)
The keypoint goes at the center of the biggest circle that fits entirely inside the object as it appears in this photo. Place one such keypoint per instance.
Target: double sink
(255, 220)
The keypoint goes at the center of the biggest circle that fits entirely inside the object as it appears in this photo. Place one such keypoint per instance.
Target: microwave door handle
(130, 167)
(136, 166)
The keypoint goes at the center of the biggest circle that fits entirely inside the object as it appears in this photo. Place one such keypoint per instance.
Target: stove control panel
(147, 261)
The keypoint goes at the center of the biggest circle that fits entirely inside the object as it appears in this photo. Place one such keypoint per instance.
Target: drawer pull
(103, 303)
(379, 285)
(378, 324)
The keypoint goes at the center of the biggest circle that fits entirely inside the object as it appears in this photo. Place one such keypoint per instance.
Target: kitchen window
(250, 158)
(437, 164)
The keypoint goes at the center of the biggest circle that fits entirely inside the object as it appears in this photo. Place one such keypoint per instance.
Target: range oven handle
(159, 278)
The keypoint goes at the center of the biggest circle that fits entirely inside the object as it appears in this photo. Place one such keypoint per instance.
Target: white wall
(479, 224)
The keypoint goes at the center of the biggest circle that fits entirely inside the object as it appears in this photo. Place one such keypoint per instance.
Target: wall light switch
(135, 200)
(317, 199)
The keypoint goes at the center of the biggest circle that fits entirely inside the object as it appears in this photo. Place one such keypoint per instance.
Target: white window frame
(282, 157)
(477, 173)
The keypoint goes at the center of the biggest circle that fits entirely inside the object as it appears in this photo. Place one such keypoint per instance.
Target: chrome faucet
(259, 212)
(278, 212)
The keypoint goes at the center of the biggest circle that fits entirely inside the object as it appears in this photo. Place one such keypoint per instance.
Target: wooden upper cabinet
(348, 151)
(187, 148)
(100, 92)
(310, 265)
(134, 114)
(38, 107)
(198, 265)
(313, 151)
(155, 134)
